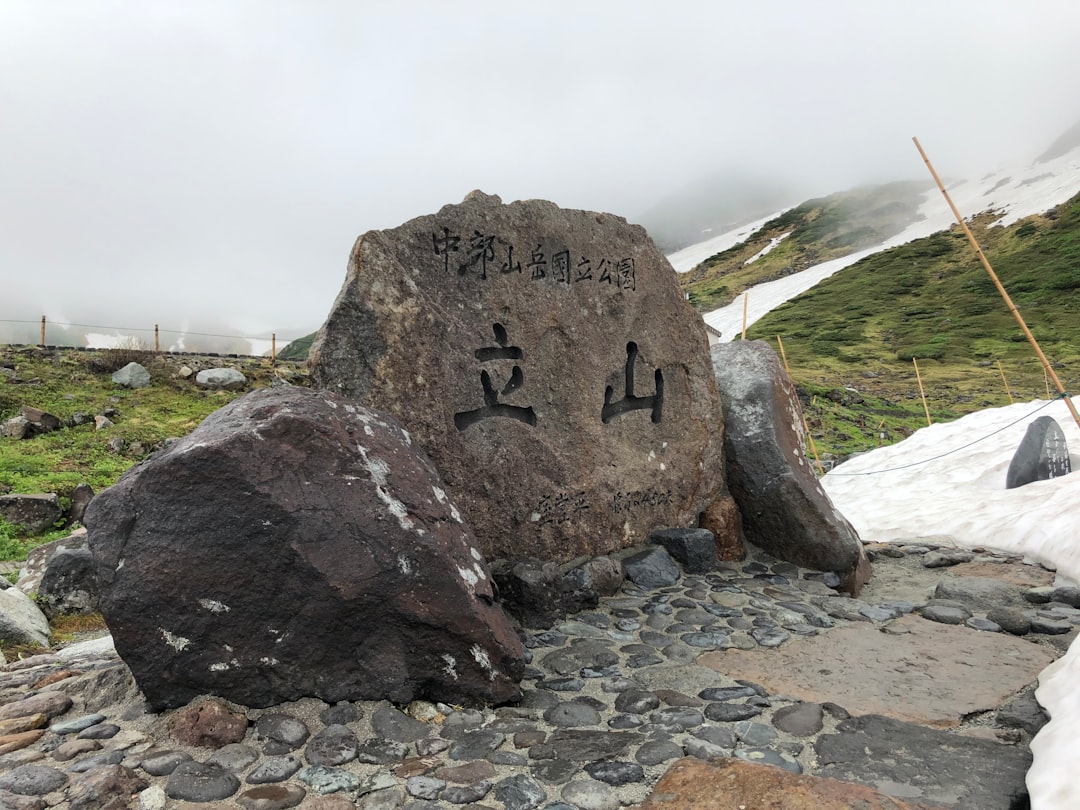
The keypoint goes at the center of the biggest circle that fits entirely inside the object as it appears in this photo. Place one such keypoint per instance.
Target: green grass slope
(814, 232)
(853, 340)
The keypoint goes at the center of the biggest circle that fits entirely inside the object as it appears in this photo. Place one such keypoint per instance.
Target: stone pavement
(758, 662)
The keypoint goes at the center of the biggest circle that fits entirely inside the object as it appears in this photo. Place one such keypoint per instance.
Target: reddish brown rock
(546, 360)
(15, 742)
(17, 725)
(298, 544)
(48, 703)
(723, 784)
(917, 670)
(209, 724)
(109, 787)
(722, 519)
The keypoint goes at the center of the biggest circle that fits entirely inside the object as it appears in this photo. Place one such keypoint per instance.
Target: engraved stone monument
(1042, 454)
(548, 363)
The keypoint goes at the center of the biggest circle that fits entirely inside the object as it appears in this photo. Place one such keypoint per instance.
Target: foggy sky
(213, 162)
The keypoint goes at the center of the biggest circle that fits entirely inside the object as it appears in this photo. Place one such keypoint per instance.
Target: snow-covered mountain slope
(1011, 194)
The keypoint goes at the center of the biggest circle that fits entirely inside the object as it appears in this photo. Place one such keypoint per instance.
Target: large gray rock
(228, 379)
(21, 621)
(784, 509)
(548, 363)
(1041, 455)
(36, 513)
(297, 544)
(133, 375)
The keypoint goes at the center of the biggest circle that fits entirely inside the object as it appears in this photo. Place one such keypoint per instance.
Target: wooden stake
(745, 298)
(921, 392)
(1047, 368)
(1046, 382)
(806, 425)
(273, 348)
(157, 341)
(42, 344)
(1006, 382)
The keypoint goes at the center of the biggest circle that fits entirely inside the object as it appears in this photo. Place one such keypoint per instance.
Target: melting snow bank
(949, 479)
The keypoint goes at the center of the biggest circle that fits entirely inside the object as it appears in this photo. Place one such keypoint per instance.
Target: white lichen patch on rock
(404, 564)
(214, 606)
(378, 470)
(440, 496)
(178, 643)
(450, 667)
(469, 576)
(482, 658)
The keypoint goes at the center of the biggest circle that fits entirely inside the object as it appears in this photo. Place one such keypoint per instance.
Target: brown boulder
(548, 363)
(209, 724)
(722, 784)
(297, 544)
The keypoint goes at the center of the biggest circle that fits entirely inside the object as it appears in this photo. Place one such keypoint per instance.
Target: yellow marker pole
(157, 340)
(745, 298)
(1047, 368)
(1006, 382)
(1046, 382)
(806, 425)
(42, 344)
(921, 392)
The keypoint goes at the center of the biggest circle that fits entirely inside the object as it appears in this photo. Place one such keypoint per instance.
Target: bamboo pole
(745, 298)
(1047, 368)
(273, 348)
(1006, 382)
(806, 425)
(42, 344)
(1046, 382)
(922, 393)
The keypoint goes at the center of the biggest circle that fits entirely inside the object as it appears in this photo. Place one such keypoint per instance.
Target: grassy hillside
(67, 383)
(816, 231)
(851, 340)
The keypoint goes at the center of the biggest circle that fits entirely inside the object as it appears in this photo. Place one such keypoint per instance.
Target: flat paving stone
(924, 763)
(922, 672)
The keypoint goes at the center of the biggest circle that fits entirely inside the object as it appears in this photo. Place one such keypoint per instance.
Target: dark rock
(572, 714)
(656, 752)
(273, 769)
(32, 780)
(1042, 454)
(767, 756)
(35, 513)
(340, 714)
(520, 792)
(783, 506)
(69, 584)
(40, 421)
(271, 797)
(196, 782)
(394, 725)
(979, 593)
(80, 499)
(583, 585)
(334, 745)
(1023, 711)
(233, 757)
(554, 352)
(379, 589)
(871, 749)
(945, 559)
(652, 568)
(945, 614)
(475, 744)
(800, 719)
(531, 590)
(381, 752)
(587, 746)
(730, 712)
(636, 701)
(162, 763)
(695, 549)
(280, 733)
(1050, 627)
(208, 724)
